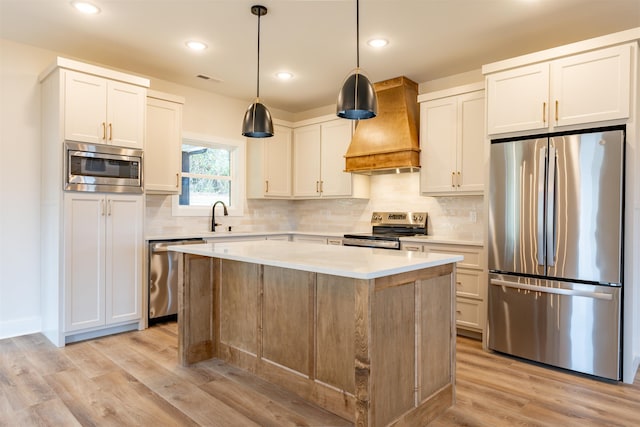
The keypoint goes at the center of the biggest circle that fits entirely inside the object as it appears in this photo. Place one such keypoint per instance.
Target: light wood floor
(133, 379)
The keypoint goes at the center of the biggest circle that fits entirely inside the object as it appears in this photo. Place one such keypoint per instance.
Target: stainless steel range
(388, 227)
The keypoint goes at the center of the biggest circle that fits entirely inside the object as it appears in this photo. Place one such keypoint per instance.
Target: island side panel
(287, 318)
(363, 348)
(335, 341)
(435, 346)
(239, 296)
(393, 355)
(195, 309)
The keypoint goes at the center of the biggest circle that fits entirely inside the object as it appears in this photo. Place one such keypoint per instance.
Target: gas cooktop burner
(387, 228)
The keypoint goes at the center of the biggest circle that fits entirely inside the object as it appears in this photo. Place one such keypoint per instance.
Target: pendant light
(257, 121)
(357, 99)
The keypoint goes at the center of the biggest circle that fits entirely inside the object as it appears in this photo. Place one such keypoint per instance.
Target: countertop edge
(233, 251)
(443, 240)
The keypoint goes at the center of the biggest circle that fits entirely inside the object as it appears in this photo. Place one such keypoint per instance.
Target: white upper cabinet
(269, 165)
(162, 154)
(518, 99)
(306, 161)
(578, 89)
(102, 111)
(591, 87)
(452, 139)
(318, 167)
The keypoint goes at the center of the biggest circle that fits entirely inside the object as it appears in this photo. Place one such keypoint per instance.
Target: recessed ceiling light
(85, 7)
(378, 42)
(195, 45)
(284, 75)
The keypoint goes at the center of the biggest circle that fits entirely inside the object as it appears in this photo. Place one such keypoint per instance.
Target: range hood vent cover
(388, 143)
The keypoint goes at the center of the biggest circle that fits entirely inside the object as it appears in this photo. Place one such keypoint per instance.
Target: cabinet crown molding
(622, 37)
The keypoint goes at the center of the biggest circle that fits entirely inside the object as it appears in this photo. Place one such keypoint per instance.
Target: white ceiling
(314, 39)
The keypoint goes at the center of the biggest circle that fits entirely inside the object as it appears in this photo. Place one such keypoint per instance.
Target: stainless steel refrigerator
(556, 251)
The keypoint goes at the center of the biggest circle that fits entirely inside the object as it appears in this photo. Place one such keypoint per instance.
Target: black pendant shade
(257, 121)
(357, 99)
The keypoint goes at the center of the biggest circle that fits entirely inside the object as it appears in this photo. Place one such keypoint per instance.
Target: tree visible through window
(206, 175)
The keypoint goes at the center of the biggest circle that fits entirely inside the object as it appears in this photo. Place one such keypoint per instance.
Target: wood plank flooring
(133, 379)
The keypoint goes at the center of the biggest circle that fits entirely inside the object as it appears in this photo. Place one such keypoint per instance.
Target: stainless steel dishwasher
(163, 278)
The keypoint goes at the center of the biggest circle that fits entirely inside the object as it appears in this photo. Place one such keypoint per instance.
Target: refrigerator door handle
(540, 217)
(558, 291)
(551, 208)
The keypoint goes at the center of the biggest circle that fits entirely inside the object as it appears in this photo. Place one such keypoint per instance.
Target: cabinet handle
(104, 130)
(453, 179)
(321, 186)
(110, 132)
(177, 180)
(459, 178)
(544, 112)
(317, 186)
(556, 111)
(102, 207)
(109, 208)
(266, 186)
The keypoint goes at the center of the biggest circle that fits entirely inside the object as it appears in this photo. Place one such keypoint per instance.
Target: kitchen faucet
(213, 214)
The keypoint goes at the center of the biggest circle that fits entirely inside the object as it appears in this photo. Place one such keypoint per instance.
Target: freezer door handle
(540, 216)
(559, 291)
(551, 208)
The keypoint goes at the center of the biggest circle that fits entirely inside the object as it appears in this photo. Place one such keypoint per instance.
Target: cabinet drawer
(468, 283)
(468, 313)
(472, 257)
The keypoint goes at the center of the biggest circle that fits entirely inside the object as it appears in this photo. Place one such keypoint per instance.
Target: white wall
(20, 187)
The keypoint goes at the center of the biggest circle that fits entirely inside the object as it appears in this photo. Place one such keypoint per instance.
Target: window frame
(237, 156)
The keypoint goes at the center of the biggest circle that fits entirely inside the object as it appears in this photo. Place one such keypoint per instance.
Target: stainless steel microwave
(102, 168)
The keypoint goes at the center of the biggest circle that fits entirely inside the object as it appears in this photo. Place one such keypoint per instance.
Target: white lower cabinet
(471, 282)
(103, 250)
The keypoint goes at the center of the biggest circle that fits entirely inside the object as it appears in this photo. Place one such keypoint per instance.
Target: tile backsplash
(459, 217)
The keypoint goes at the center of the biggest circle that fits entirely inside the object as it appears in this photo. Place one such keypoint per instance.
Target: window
(212, 170)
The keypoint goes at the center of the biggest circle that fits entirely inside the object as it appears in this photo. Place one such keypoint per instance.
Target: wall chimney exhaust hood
(388, 143)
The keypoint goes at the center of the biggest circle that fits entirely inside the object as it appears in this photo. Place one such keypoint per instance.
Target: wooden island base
(377, 352)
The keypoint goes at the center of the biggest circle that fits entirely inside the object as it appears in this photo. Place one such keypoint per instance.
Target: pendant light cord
(258, 75)
(357, 34)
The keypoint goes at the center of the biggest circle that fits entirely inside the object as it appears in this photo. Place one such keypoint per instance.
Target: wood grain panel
(195, 308)
(393, 358)
(435, 370)
(239, 287)
(335, 332)
(363, 349)
(287, 317)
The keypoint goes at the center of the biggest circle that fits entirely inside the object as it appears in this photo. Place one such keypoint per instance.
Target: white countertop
(446, 240)
(344, 261)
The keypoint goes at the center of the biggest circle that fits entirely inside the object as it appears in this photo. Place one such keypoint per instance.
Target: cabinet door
(470, 150)
(124, 246)
(591, 87)
(335, 140)
(277, 163)
(306, 161)
(84, 281)
(438, 137)
(518, 99)
(163, 146)
(85, 104)
(125, 114)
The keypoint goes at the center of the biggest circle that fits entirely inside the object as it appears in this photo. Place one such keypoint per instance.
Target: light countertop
(344, 261)
(225, 235)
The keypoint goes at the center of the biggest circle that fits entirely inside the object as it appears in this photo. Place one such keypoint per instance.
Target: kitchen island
(368, 334)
